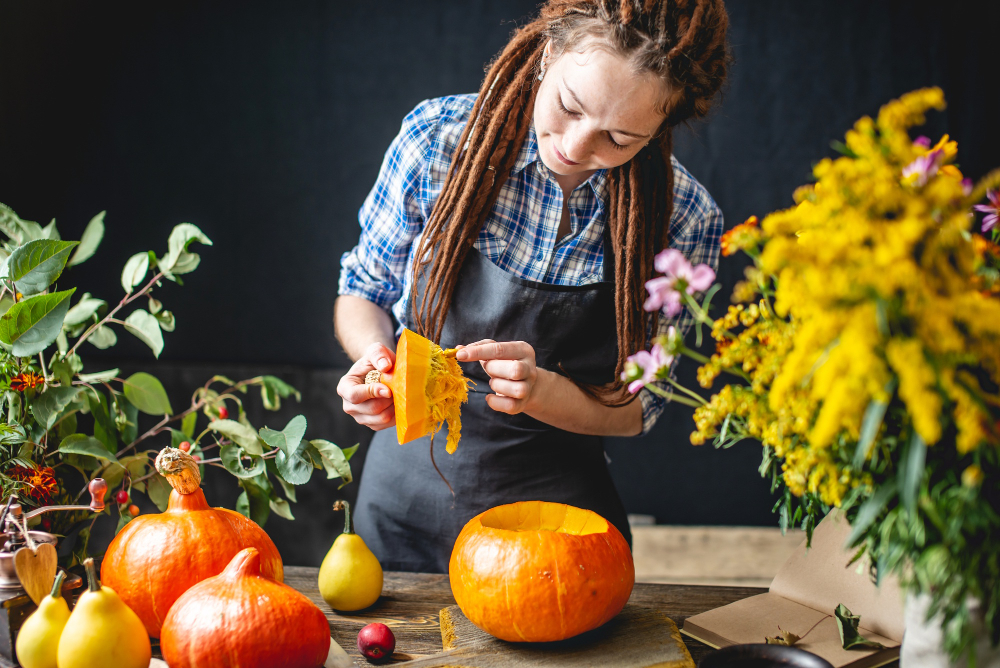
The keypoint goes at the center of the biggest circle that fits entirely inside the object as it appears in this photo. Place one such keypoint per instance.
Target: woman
(535, 240)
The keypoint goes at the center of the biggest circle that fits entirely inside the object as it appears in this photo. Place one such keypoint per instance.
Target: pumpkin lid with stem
(346, 507)
(180, 469)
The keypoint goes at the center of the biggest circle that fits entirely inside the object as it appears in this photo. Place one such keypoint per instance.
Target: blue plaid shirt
(520, 234)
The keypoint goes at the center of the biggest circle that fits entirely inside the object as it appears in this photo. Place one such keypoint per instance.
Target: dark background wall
(265, 122)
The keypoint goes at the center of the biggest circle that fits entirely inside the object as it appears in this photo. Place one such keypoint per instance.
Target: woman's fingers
(510, 388)
(509, 369)
(503, 404)
(494, 350)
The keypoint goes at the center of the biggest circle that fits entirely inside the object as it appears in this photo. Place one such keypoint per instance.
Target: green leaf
(232, 458)
(103, 337)
(281, 508)
(81, 444)
(253, 503)
(238, 433)
(287, 440)
(147, 394)
(37, 264)
(188, 424)
(869, 512)
(99, 376)
(50, 231)
(166, 320)
(158, 490)
(145, 327)
(334, 460)
(180, 238)
(105, 429)
(870, 424)
(19, 230)
(911, 472)
(135, 271)
(155, 305)
(186, 263)
(349, 452)
(83, 311)
(64, 368)
(128, 419)
(31, 325)
(273, 390)
(49, 406)
(90, 240)
(850, 637)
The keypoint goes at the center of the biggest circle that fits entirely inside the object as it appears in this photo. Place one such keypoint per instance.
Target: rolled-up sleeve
(391, 217)
(696, 230)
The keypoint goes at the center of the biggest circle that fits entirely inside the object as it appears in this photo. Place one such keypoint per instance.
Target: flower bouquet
(864, 348)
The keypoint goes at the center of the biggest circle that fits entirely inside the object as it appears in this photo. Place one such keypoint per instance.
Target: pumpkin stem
(57, 584)
(180, 469)
(93, 584)
(346, 507)
(246, 562)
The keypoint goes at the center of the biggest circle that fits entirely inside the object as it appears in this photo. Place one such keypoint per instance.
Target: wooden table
(411, 602)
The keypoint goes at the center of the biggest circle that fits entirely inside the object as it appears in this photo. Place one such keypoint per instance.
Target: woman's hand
(512, 371)
(370, 405)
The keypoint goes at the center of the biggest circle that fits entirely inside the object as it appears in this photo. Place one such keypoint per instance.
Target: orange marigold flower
(737, 238)
(23, 381)
(42, 485)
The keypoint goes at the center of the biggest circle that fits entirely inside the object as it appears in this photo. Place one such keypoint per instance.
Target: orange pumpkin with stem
(242, 618)
(156, 558)
(536, 571)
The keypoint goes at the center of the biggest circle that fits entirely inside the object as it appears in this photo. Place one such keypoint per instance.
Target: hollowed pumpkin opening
(536, 516)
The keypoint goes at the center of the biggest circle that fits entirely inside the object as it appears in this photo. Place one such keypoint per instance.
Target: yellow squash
(350, 577)
(38, 639)
(103, 632)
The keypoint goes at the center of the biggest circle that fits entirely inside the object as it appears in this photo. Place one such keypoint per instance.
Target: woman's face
(594, 112)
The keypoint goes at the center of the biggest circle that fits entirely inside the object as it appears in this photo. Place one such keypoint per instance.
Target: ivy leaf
(135, 271)
(81, 444)
(238, 433)
(273, 390)
(31, 325)
(103, 337)
(180, 238)
(334, 460)
(37, 264)
(147, 394)
(145, 327)
(158, 491)
(48, 406)
(91, 239)
(232, 458)
(83, 311)
(850, 637)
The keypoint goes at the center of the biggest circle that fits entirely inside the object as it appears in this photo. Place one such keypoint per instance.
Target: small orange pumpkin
(157, 557)
(536, 571)
(242, 618)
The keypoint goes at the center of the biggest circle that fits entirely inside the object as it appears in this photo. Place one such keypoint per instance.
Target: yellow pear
(38, 638)
(103, 632)
(350, 577)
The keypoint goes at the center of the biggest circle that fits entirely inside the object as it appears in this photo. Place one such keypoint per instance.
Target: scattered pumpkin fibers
(447, 389)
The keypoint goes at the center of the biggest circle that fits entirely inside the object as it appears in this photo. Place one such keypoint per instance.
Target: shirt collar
(529, 154)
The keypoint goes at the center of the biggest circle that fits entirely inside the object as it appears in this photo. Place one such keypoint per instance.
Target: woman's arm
(358, 323)
(521, 387)
(364, 330)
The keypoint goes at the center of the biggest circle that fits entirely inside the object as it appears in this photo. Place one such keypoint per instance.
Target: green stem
(697, 357)
(685, 390)
(347, 514)
(93, 584)
(696, 310)
(673, 397)
(57, 585)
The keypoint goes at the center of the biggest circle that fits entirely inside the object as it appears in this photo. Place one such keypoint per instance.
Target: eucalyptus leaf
(186, 263)
(81, 444)
(103, 337)
(180, 238)
(145, 327)
(83, 310)
(49, 406)
(31, 325)
(147, 394)
(91, 239)
(238, 433)
(37, 264)
(99, 376)
(135, 271)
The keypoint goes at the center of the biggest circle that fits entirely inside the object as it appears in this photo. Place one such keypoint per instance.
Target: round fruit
(223, 413)
(536, 572)
(185, 446)
(121, 496)
(133, 510)
(376, 642)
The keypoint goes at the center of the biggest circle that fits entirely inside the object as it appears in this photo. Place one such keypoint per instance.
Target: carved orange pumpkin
(242, 618)
(156, 558)
(535, 571)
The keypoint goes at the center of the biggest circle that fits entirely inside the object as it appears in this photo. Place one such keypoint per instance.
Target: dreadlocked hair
(682, 42)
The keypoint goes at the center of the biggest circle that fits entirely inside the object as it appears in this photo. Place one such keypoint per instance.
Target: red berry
(197, 458)
(133, 510)
(184, 445)
(223, 413)
(376, 642)
(121, 496)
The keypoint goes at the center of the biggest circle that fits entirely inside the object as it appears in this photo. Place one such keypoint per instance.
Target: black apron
(404, 511)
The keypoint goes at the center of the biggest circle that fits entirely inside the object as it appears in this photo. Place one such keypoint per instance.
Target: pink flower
(993, 209)
(923, 168)
(922, 141)
(679, 276)
(642, 367)
(966, 186)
